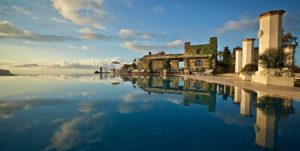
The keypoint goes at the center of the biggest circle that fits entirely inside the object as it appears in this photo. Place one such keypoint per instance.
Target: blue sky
(88, 33)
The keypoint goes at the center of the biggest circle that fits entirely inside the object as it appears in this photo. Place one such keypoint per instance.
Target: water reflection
(268, 109)
(91, 112)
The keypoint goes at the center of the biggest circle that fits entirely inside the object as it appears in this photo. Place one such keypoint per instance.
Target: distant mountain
(5, 73)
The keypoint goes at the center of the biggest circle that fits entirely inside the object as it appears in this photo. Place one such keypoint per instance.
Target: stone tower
(270, 30)
(238, 60)
(248, 49)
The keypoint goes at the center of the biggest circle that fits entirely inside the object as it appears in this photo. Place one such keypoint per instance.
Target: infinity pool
(93, 112)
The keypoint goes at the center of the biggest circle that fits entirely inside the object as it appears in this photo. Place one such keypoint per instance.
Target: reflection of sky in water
(85, 112)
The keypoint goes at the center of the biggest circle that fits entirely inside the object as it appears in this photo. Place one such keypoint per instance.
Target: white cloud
(58, 20)
(21, 10)
(291, 22)
(88, 34)
(178, 6)
(90, 13)
(85, 47)
(24, 11)
(89, 64)
(129, 3)
(126, 33)
(177, 44)
(70, 135)
(159, 9)
(244, 24)
(7, 30)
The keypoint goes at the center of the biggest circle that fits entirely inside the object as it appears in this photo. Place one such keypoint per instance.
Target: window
(198, 63)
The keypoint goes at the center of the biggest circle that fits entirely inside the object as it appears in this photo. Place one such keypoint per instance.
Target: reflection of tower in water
(237, 95)
(268, 112)
(245, 105)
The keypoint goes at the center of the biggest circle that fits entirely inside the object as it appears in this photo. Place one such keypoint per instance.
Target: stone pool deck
(279, 91)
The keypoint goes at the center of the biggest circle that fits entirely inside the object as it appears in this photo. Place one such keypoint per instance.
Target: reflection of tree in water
(275, 106)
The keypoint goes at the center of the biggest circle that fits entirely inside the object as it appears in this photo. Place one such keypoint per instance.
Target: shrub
(249, 69)
(274, 58)
(284, 72)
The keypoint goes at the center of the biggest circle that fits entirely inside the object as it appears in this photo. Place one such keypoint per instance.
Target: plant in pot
(273, 60)
(249, 69)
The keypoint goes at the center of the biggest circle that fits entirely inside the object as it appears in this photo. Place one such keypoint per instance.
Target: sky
(38, 35)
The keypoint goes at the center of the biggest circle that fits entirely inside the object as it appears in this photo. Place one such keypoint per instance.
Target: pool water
(109, 113)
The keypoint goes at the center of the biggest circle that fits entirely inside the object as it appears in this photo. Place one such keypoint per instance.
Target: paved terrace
(279, 91)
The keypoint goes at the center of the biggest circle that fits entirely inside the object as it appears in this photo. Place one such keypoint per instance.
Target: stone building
(196, 58)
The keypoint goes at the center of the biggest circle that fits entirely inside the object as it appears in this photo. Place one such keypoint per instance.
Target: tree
(289, 40)
(134, 64)
(274, 58)
(227, 55)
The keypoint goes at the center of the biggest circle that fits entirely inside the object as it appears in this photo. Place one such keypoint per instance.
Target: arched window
(198, 63)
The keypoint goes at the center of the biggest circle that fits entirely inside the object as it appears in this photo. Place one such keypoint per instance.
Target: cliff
(5, 73)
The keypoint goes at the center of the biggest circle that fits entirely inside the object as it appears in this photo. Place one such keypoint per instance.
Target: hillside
(5, 73)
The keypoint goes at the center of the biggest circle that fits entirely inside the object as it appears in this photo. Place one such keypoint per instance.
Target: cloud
(159, 9)
(84, 47)
(8, 108)
(291, 22)
(70, 133)
(81, 64)
(24, 11)
(128, 3)
(126, 33)
(58, 20)
(90, 13)
(177, 6)
(88, 34)
(239, 25)
(177, 44)
(21, 10)
(7, 30)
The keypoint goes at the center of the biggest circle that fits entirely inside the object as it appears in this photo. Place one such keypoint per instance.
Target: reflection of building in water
(268, 113)
(193, 91)
(237, 95)
(266, 129)
(245, 105)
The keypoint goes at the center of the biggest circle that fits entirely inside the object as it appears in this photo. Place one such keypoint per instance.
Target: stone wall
(157, 65)
(204, 49)
(191, 64)
(174, 65)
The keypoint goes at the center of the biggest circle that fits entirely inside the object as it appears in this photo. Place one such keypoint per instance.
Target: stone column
(290, 51)
(270, 30)
(248, 48)
(238, 60)
(245, 103)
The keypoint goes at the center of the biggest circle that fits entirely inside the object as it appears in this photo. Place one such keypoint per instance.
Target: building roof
(273, 12)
